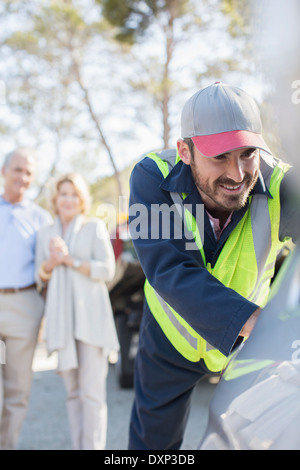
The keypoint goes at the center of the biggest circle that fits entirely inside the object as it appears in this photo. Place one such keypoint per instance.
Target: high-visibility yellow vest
(246, 262)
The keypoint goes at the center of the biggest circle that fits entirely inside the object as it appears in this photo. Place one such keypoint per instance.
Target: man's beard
(224, 201)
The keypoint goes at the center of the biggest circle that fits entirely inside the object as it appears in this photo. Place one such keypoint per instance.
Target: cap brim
(217, 144)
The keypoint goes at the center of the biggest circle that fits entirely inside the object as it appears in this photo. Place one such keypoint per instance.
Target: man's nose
(25, 177)
(235, 170)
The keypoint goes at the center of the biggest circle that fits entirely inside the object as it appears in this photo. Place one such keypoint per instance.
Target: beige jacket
(78, 306)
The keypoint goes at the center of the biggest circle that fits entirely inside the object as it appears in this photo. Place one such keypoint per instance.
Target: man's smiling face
(18, 175)
(225, 181)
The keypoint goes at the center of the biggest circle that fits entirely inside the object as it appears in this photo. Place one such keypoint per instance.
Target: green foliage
(23, 40)
(104, 190)
(133, 17)
(128, 16)
(240, 13)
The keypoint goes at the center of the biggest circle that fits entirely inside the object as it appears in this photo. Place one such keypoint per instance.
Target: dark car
(256, 405)
(127, 298)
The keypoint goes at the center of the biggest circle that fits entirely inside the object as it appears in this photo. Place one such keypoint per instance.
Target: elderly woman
(74, 257)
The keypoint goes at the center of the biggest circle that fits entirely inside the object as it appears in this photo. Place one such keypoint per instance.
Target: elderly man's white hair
(26, 152)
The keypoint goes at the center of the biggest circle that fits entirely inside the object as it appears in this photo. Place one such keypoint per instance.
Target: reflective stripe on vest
(254, 238)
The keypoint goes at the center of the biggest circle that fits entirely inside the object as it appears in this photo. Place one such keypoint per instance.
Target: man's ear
(184, 151)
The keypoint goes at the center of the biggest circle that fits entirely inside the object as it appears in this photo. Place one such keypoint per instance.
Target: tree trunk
(103, 140)
(169, 35)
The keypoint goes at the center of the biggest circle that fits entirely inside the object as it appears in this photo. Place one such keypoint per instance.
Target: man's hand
(249, 325)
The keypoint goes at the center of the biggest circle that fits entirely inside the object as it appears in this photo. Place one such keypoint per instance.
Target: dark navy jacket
(216, 312)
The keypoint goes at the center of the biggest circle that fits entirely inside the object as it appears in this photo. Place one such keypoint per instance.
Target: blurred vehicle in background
(256, 405)
(127, 296)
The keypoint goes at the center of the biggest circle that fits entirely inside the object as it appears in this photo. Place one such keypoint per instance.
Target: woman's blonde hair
(80, 186)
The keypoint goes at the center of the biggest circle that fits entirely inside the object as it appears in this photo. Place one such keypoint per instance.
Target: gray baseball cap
(221, 118)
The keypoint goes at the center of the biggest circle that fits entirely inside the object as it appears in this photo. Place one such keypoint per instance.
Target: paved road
(46, 426)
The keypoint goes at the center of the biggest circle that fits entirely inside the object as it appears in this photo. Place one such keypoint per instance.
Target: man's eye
(220, 157)
(248, 154)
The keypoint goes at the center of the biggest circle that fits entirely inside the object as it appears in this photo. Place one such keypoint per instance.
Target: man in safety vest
(207, 222)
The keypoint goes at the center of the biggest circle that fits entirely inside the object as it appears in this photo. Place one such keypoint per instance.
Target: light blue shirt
(19, 224)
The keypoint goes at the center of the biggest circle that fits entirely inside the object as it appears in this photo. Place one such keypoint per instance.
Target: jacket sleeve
(102, 264)
(216, 312)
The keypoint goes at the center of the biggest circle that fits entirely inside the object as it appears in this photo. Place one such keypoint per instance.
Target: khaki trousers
(86, 398)
(20, 318)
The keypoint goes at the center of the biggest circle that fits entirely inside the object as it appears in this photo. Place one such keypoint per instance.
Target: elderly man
(21, 306)
(209, 277)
